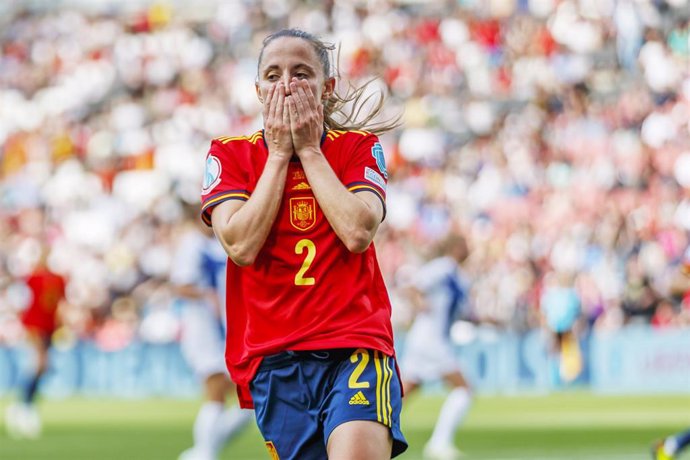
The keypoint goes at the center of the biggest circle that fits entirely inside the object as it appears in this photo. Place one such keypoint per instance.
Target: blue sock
(30, 388)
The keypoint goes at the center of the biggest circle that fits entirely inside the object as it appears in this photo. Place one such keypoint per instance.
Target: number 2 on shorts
(361, 357)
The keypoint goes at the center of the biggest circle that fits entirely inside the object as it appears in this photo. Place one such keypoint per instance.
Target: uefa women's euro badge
(377, 153)
(211, 174)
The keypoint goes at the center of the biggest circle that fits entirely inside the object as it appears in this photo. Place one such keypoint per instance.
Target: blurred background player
(438, 293)
(40, 320)
(198, 279)
(669, 447)
(560, 307)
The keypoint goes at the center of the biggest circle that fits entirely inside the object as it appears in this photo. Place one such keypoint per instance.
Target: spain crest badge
(303, 213)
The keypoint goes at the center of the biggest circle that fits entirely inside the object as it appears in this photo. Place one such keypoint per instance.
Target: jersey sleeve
(433, 274)
(225, 177)
(366, 169)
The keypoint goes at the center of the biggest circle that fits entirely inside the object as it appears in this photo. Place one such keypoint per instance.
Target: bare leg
(453, 411)
(360, 440)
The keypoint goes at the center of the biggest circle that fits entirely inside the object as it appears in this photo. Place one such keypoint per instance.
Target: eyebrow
(294, 67)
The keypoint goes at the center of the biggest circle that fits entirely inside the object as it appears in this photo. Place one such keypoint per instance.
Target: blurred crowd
(553, 134)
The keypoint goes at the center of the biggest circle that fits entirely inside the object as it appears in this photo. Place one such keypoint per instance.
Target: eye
(273, 77)
(302, 75)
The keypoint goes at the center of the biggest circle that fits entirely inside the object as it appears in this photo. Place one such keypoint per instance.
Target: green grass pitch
(572, 426)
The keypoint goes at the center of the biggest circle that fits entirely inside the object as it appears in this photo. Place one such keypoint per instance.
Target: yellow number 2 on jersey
(300, 279)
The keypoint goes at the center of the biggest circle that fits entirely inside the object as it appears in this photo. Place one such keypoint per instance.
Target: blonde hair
(336, 106)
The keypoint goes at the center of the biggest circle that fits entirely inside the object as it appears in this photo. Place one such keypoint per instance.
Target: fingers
(293, 112)
(277, 129)
(297, 112)
(272, 103)
(280, 104)
(275, 113)
(307, 96)
(293, 116)
(309, 108)
(294, 90)
(285, 109)
(304, 96)
(267, 102)
(306, 117)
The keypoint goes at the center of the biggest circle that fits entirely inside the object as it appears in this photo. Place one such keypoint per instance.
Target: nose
(286, 82)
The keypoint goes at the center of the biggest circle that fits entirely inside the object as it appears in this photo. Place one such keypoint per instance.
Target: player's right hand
(277, 123)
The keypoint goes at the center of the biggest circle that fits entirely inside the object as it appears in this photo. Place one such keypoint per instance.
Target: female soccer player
(671, 446)
(296, 207)
(439, 294)
(197, 276)
(40, 320)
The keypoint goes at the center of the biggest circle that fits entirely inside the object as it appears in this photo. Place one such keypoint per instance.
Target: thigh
(360, 440)
(429, 361)
(365, 387)
(40, 341)
(286, 414)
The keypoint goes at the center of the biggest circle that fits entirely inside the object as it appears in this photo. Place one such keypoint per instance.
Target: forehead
(289, 51)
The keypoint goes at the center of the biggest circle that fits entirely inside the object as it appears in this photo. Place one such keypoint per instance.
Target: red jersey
(47, 290)
(305, 290)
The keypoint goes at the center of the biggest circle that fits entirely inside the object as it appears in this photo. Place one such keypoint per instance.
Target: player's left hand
(306, 117)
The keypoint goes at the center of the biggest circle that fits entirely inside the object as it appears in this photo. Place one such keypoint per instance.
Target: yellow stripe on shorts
(379, 412)
(384, 375)
(388, 391)
(384, 393)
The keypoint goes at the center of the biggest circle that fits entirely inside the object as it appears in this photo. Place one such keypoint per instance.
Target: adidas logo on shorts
(359, 398)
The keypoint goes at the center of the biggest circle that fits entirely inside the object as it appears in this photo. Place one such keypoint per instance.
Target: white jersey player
(438, 293)
(198, 279)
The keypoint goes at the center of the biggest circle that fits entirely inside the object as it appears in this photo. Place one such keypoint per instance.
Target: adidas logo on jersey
(359, 398)
(301, 186)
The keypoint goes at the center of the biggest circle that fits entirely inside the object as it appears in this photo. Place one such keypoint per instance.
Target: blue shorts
(300, 397)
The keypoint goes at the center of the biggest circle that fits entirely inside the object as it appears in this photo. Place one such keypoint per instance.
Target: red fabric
(47, 289)
(347, 306)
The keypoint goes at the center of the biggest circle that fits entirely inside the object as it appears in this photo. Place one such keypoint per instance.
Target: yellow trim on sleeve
(370, 188)
(253, 138)
(226, 196)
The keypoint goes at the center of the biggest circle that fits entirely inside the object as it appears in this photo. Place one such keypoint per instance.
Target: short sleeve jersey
(445, 291)
(305, 290)
(199, 260)
(47, 290)
(187, 261)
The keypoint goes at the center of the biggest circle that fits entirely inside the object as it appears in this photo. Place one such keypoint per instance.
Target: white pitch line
(635, 456)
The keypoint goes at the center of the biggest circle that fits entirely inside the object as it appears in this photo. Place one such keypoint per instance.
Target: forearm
(353, 219)
(244, 231)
